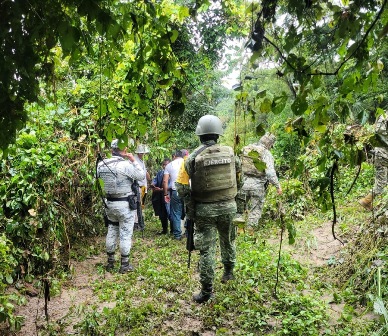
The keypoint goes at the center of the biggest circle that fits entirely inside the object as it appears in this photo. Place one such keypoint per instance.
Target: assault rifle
(190, 239)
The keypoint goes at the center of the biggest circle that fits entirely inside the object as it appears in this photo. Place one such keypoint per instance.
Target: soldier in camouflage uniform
(118, 175)
(214, 173)
(380, 162)
(252, 194)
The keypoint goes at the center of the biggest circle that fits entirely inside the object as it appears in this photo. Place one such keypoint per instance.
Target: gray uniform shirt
(381, 130)
(267, 158)
(118, 175)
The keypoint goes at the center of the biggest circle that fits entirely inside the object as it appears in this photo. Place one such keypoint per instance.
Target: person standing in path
(184, 217)
(118, 174)
(380, 162)
(215, 173)
(171, 196)
(140, 151)
(257, 175)
(158, 202)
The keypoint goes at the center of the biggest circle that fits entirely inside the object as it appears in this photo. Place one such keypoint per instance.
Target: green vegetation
(156, 297)
(76, 74)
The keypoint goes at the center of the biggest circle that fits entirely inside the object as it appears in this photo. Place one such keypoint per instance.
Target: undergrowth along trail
(155, 299)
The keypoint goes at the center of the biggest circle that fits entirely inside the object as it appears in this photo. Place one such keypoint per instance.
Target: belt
(117, 199)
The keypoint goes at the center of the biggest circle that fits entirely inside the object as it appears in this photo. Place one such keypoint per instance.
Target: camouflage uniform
(118, 175)
(381, 156)
(210, 218)
(252, 194)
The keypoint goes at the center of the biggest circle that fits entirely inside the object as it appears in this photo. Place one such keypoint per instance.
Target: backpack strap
(197, 153)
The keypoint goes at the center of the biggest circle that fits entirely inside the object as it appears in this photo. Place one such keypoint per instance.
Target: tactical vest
(115, 183)
(214, 177)
(248, 166)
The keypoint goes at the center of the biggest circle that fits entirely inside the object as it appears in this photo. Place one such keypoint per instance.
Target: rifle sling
(197, 153)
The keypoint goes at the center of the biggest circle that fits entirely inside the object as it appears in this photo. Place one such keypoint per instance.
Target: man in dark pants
(158, 202)
(214, 172)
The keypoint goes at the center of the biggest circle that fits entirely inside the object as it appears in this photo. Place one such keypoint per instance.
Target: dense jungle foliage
(76, 74)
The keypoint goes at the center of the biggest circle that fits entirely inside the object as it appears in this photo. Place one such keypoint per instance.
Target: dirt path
(75, 293)
(319, 249)
(316, 249)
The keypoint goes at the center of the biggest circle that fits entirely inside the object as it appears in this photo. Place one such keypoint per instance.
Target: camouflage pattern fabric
(381, 170)
(381, 155)
(120, 212)
(205, 239)
(381, 130)
(118, 175)
(210, 218)
(270, 168)
(214, 208)
(250, 199)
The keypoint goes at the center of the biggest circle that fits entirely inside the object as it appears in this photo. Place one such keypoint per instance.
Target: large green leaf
(173, 35)
(258, 163)
(300, 105)
(68, 37)
(260, 130)
(266, 105)
(164, 136)
(279, 103)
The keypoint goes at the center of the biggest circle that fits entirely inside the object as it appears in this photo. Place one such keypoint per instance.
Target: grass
(156, 299)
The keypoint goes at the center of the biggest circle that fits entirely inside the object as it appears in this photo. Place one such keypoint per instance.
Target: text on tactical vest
(214, 162)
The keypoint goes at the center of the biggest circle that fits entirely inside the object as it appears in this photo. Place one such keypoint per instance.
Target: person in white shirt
(171, 196)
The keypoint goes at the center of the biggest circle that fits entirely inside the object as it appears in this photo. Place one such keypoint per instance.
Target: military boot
(125, 265)
(366, 202)
(205, 294)
(111, 262)
(228, 273)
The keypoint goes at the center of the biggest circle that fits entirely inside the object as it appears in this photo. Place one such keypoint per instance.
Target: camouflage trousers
(381, 171)
(205, 239)
(120, 212)
(250, 200)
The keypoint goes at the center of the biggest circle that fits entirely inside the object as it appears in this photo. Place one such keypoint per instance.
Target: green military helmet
(209, 124)
(142, 149)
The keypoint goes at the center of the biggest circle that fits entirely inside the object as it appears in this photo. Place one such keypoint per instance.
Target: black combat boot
(205, 294)
(228, 273)
(125, 265)
(111, 262)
